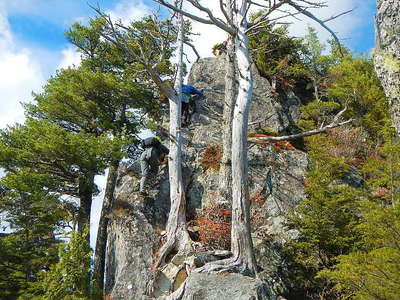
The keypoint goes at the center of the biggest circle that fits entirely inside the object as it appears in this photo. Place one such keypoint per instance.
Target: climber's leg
(144, 167)
(185, 113)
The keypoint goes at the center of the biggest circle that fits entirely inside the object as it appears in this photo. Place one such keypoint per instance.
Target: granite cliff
(276, 186)
(387, 53)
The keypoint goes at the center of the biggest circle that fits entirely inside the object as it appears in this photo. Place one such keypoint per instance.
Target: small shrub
(350, 144)
(283, 145)
(214, 227)
(211, 158)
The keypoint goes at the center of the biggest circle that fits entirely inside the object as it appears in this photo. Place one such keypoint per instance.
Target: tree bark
(225, 172)
(241, 243)
(85, 197)
(101, 240)
(177, 234)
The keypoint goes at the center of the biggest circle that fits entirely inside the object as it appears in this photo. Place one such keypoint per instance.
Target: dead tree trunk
(177, 234)
(243, 259)
(241, 245)
(225, 172)
(101, 240)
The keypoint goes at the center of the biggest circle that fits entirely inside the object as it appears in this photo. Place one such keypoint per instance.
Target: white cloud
(20, 74)
(70, 58)
(209, 34)
(128, 10)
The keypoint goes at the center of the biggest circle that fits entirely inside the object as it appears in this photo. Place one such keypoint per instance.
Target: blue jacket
(188, 89)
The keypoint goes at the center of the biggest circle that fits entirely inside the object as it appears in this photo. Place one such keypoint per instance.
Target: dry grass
(278, 146)
(283, 145)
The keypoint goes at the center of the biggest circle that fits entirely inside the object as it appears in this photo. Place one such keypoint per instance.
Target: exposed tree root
(178, 294)
(163, 252)
(180, 242)
(233, 264)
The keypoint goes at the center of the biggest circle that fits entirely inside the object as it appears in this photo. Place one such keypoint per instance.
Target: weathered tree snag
(101, 240)
(241, 243)
(387, 54)
(225, 172)
(177, 234)
(243, 259)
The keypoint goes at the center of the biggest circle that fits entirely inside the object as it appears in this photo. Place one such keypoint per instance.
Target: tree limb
(321, 22)
(338, 15)
(211, 21)
(194, 49)
(299, 135)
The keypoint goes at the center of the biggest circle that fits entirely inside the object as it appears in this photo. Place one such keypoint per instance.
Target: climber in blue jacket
(189, 101)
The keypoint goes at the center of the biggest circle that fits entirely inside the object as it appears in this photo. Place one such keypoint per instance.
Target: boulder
(225, 286)
(387, 53)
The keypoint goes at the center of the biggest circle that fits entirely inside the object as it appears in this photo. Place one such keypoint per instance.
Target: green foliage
(315, 113)
(317, 63)
(70, 277)
(325, 220)
(83, 100)
(218, 46)
(146, 38)
(33, 213)
(382, 172)
(373, 272)
(81, 122)
(355, 85)
(334, 220)
(277, 54)
(48, 149)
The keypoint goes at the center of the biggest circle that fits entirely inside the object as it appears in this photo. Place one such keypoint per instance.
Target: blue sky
(33, 46)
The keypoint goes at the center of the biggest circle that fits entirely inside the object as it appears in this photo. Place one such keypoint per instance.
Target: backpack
(150, 142)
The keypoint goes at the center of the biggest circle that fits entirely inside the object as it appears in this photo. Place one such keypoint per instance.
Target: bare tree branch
(338, 15)
(299, 135)
(313, 17)
(194, 49)
(227, 17)
(272, 7)
(212, 19)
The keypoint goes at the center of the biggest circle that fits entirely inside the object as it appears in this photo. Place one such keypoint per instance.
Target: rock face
(133, 239)
(276, 174)
(225, 287)
(387, 53)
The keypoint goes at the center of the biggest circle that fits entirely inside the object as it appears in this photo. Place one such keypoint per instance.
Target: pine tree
(68, 159)
(69, 279)
(325, 220)
(355, 85)
(372, 270)
(34, 215)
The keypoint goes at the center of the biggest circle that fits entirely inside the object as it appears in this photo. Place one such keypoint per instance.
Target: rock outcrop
(210, 286)
(387, 53)
(276, 186)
